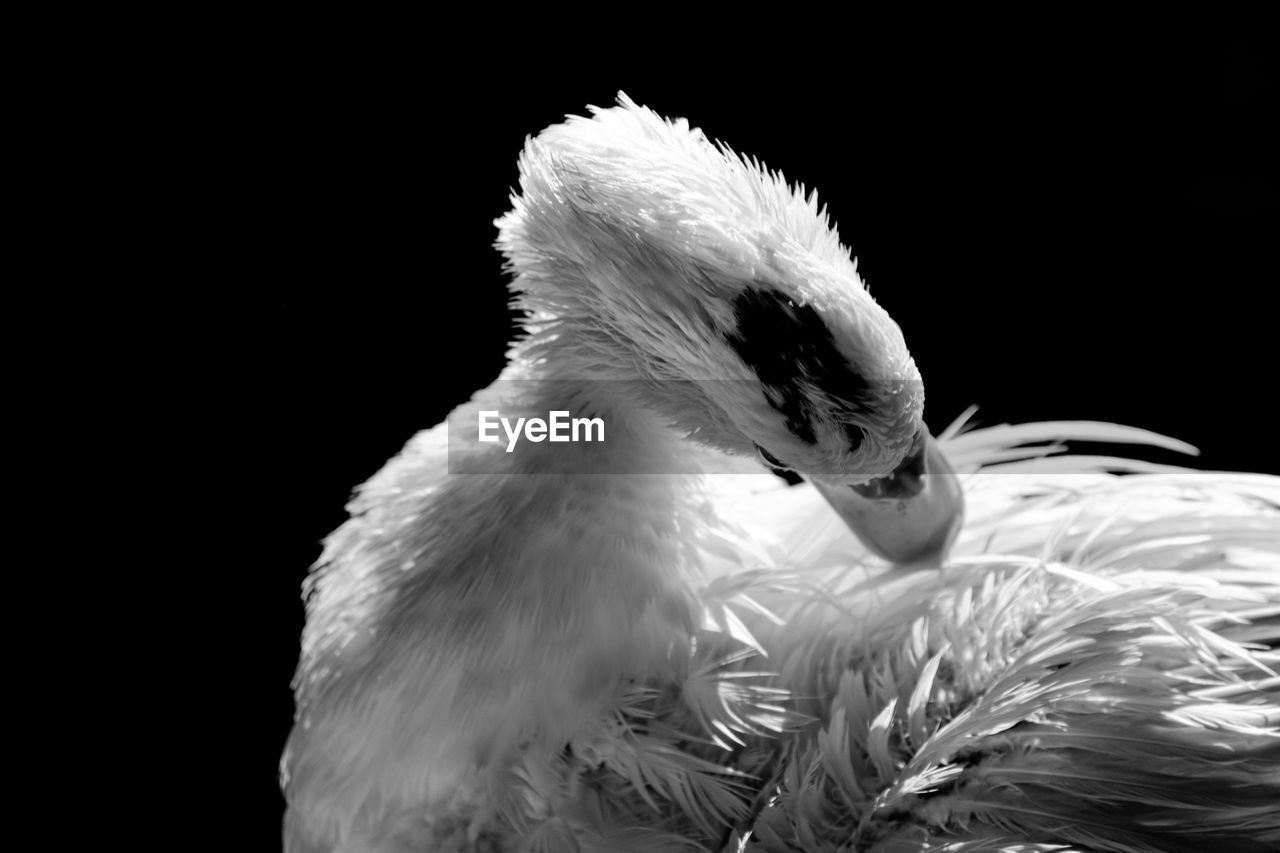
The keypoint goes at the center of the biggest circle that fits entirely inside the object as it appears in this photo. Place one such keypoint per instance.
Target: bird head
(646, 255)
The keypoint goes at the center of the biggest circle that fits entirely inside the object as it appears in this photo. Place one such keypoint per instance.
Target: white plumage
(679, 650)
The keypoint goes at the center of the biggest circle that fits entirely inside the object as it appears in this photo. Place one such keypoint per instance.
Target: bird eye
(771, 460)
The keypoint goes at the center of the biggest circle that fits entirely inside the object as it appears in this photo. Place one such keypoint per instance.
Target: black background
(1072, 227)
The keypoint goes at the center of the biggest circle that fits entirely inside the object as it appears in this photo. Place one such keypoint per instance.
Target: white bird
(565, 646)
(461, 623)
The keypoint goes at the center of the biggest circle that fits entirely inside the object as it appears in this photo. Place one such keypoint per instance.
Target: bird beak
(913, 515)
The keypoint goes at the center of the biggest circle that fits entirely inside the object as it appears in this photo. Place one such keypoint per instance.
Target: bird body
(650, 643)
(1093, 670)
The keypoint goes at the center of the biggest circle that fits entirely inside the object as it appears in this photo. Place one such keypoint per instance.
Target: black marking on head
(785, 344)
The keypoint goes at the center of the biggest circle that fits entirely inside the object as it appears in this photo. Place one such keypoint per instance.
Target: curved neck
(605, 519)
